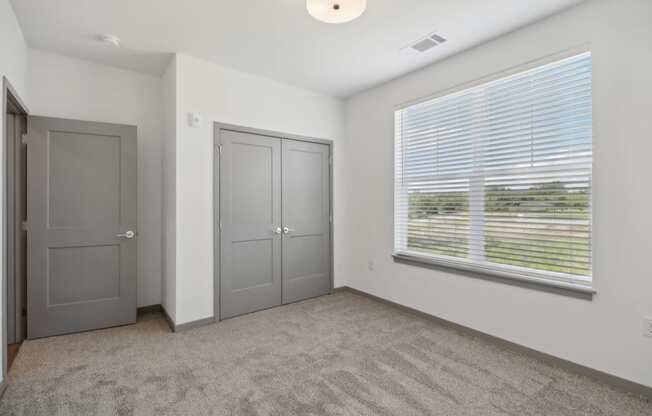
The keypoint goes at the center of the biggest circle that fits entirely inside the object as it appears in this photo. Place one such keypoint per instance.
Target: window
(497, 178)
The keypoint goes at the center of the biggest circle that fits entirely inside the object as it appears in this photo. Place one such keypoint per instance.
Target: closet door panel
(250, 205)
(306, 220)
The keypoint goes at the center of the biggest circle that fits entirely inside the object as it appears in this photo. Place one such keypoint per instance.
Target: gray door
(250, 193)
(306, 220)
(81, 216)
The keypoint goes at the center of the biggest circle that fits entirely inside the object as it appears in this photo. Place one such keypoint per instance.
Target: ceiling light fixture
(336, 11)
(109, 40)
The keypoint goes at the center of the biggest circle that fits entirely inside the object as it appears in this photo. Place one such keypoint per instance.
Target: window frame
(505, 272)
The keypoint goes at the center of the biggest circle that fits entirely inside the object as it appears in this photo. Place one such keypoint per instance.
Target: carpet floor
(337, 355)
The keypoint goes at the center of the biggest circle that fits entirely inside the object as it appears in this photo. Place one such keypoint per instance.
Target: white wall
(13, 49)
(228, 96)
(13, 52)
(58, 86)
(605, 333)
(169, 209)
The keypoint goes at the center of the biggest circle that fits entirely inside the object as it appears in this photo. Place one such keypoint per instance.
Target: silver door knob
(287, 230)
(277, 230)
(129, 235)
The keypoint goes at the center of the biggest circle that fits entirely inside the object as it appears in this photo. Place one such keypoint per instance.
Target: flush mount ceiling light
(336, 11)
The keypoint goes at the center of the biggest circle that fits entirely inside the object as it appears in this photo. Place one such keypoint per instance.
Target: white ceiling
(273, 38)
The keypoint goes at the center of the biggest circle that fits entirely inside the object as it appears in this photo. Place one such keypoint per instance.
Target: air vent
(437, 38)
(427, 43)
(424, 45)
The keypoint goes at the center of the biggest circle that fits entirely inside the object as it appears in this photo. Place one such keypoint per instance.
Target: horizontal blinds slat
(552, 263)
(500, 174)
(436, 106)
(494, 107)
(453, 240)
(538, 133)
(571, 148)
(551, 172)
(478, 126)
(509, 157)
(516, 109)
(567, 123)
(524, 237)
(540, 255)
(516, 137)
(520, 222)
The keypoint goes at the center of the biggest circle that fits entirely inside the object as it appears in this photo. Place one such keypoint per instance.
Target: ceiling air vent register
(427, 43)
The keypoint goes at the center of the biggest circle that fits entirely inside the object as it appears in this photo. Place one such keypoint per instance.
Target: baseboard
(185, 326)
(194, 324)
(3, 387)
(614, 381)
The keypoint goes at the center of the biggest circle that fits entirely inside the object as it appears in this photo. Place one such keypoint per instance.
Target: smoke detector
(109, 40)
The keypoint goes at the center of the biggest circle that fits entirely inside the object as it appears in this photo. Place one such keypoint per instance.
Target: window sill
(534, 282)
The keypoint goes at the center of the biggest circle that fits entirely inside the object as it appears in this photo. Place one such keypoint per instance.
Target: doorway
(273, 215)
(15, 214)
(69, 205)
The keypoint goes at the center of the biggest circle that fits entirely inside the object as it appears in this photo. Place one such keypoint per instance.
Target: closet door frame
(217, 231)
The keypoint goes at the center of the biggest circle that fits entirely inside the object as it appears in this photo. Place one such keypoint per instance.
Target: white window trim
(551, 279)
(534, 277)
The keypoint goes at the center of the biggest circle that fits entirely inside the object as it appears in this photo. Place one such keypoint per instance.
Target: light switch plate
(647, 327)
(194, 120)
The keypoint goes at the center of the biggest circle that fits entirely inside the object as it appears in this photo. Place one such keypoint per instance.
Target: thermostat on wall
(194, 120)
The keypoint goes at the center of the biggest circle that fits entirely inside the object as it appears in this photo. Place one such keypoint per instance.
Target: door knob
(287, 230)
(128, 235)
(277, 230)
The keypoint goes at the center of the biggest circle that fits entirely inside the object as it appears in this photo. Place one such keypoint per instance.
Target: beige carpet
(337, 355)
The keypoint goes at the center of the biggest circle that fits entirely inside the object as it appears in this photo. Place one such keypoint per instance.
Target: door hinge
(24, 312)
(330, 219)
(220, 148)
(24, 138)
(23, 225)
(220, 223)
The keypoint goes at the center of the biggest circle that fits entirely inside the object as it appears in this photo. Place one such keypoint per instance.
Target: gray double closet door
(275, 221)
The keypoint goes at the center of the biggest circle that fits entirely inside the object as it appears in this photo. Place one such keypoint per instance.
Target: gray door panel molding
(251, 212)
(81, 197)
(306, 217)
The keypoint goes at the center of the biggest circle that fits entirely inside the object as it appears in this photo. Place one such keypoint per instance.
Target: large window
(497, 178)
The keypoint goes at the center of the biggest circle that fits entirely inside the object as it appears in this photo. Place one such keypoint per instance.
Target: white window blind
(497, 178)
